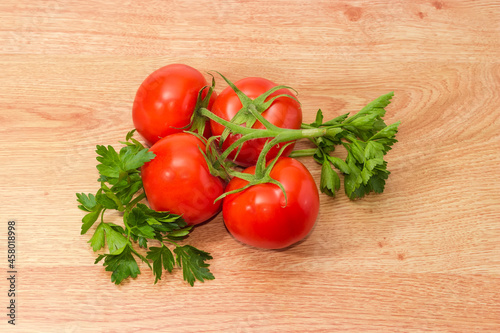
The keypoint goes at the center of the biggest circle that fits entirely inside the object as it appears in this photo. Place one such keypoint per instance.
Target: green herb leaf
(97, 240)
(336, 121)
(129, 135)
(116, 241)
(88, 202)
(368, 121)
(113, 164)
(386, 137)
(193, 264)
(132, 159)
(179, 234)
(137, 222)
(109, 161)
(162, 222)
(123, 265)
(162, 259)
(330, 181)
(319, 119)
(377, 106)
(105, 200)
(369, 173)
(339, 164)
(143, 242)
(366, 138)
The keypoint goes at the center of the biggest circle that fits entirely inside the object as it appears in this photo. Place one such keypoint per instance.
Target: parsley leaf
(89, 204)
(120, 170)
(162, 258)
(319, 119)
(368, 173)
(146, 223)
(193, 263)
(368, 121)
(366, 138)
(123, 265)
(116, 241)
(97, 240)
(329, 181)
(138, 225)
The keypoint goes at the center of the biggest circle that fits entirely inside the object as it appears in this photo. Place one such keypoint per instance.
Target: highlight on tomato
(178, 179)
(166, 99)
(260, 215)
(279, 107)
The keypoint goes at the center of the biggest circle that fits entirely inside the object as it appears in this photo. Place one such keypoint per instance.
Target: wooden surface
(423, 256)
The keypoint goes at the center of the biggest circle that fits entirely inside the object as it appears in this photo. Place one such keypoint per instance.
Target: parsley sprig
(121, 190)
(366, 138)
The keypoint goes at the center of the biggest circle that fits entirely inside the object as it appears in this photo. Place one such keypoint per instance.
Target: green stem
(261, 133)
(278, 134)
(170, 241)
(303, 152)
(260, 166)
(129, 208)
(285, 136)
(136, 200)
(102, 215)
(127, 228)
(233, 127)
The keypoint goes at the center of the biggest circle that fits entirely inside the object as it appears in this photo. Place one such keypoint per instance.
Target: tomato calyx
(224, 168)
(262, 173)
(217, 166)
(199, 122)
(246, 115)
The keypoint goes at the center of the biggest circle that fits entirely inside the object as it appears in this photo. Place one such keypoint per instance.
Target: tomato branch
(365, 136)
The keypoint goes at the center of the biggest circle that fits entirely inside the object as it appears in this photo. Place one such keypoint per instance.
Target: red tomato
(284, 112)
(258, 216)
(165, 101)
(178, 179)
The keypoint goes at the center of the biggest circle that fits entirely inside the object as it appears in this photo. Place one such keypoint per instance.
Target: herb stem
(303, 152)
(136, 200)
(170, 241)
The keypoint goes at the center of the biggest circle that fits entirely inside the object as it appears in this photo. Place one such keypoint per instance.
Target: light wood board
(422, 256)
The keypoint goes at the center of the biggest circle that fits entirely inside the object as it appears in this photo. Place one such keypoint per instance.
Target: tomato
(165, 101)
(284, 112)
(178, 179)
(257, 216)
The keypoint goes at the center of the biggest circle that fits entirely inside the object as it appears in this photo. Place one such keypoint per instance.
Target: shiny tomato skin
(257, 216)
(284, 112)
(178, 179)
(165, 101)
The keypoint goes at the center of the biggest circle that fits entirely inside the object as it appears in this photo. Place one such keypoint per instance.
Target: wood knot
(353, 13)
(437, 4)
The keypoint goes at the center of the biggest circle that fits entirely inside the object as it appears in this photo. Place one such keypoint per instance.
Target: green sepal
(246, 115)
(262, 173)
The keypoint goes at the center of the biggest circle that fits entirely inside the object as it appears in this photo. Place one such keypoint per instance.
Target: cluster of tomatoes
(179, 180)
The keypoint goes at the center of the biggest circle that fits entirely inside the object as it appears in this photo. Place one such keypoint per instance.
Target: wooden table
(422, 256)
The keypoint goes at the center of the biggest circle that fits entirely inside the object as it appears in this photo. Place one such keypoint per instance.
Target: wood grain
(423, 256)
